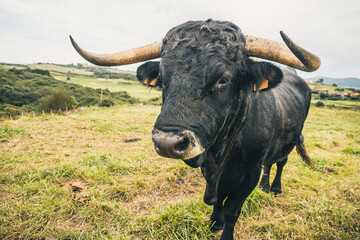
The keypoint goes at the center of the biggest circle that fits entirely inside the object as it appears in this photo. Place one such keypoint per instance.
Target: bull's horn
(256, 47)
(130, 56)
(279, 52)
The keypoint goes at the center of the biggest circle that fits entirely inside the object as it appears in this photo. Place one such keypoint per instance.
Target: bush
(58, 99)
(100, 73)
(107, 102)
(324, 95)
(9, 110)
(319, 104)
(38, 71)
(12, 111)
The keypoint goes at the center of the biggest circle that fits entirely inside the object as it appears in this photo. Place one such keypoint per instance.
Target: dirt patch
(127, 140)
(328, 170)
(77, 188)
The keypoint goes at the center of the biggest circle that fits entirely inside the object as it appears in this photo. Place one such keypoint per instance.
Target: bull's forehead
(199, 35)
(201, 48)
(199, 69)
(204, 30)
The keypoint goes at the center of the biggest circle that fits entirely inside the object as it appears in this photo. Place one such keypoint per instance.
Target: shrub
(58, 99)
(12, 111)
(9, 110)
(319, 104)
(38, 71)
(154, 99)
(106, 102)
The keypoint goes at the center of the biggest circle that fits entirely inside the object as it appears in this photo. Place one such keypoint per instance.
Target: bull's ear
(147, 74)
(266, 75)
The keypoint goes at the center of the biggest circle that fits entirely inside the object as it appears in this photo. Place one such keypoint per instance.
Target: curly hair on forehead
(207, 36)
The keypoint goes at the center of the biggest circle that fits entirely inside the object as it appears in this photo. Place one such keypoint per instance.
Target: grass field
(134, 88)
(60, 69)
(84, 77)
(74, 177)
(345, 104)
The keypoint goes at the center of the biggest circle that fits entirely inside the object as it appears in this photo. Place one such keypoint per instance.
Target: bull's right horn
(130, 56)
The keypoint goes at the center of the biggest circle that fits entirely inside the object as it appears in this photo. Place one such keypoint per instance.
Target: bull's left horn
(130, 56)
(290, 54)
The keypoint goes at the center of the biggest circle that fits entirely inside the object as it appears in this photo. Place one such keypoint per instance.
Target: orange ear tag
(152, 83)
(264, 84)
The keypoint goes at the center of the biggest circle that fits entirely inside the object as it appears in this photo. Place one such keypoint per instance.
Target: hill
(350, 82)
(22, 89)
(95, 77)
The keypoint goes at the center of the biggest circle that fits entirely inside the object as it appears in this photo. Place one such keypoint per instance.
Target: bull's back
(276, 119)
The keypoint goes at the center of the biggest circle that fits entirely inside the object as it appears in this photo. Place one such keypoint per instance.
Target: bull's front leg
(217, 218)
(235, 200)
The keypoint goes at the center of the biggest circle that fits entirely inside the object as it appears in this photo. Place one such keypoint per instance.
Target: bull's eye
(223, 82)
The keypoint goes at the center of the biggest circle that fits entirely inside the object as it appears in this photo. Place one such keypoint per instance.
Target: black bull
(215, 117)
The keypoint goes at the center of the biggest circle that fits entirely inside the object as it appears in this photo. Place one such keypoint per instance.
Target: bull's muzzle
(180, 145)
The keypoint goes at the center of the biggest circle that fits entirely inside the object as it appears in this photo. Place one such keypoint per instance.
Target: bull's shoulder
(293, 81)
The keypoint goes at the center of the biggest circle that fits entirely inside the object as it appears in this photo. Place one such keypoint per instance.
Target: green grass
(134, 88)
(84, 77)
(132, 193)
(345, 104)
(60, 69)
(6, 132)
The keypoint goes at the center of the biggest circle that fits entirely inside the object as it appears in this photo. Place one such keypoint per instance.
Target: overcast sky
(34, 31)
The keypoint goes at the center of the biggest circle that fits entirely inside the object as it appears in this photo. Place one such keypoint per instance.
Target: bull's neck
(232, 128)
(228, 135)
(217, 157)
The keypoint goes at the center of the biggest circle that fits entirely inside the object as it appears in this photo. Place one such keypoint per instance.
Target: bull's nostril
(183, 145)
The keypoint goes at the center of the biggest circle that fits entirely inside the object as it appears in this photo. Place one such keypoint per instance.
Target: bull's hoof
(276, 190)
(265, 188)
(217, 227)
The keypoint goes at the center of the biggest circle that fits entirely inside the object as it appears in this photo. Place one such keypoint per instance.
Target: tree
(58, 99)
(68, 76)
(334, 84)
(321, 80)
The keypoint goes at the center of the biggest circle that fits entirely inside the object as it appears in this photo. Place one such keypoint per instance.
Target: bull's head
(205, 75)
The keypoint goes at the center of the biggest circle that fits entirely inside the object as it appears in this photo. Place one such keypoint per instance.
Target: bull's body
(211, 116)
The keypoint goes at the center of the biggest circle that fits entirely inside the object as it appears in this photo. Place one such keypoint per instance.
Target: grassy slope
(135, 89)
(329, 87)
(135, 194)
(84, 78)
(346, 104)
(59, 68)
